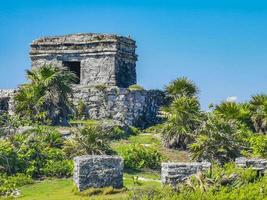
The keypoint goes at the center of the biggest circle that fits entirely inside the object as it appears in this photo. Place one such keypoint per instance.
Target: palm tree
(45, 98)
(259, 112)
(234, 111)
(182, 87)
(183, 117)
(218, 140)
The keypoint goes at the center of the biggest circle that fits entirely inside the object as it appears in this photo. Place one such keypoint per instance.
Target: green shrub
(33, 153)
(258, 144)
(138, 156)
(8, 184)
(58, 169)
(135, 87)
(91, 139)
(8, 157)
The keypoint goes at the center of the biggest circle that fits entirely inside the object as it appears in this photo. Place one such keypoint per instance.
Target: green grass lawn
(63, 189)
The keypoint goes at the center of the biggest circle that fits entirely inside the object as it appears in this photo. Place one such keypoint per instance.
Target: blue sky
(221, 45)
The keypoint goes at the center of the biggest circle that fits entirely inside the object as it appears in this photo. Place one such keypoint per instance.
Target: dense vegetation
(228, 130)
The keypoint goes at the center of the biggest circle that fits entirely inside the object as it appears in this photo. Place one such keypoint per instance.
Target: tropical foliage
(137, 156)
(182, 115)
(45, 98)
(217, 140)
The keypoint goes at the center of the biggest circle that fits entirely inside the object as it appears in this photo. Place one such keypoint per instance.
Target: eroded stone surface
(138, 108)
(98, 171)
(174, 173)
(104, 59)
(7, 100)
(255, 163)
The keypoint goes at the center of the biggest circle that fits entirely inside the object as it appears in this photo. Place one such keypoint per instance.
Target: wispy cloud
(231, 99)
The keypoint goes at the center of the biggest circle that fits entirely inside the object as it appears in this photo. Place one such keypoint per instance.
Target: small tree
(45, 98)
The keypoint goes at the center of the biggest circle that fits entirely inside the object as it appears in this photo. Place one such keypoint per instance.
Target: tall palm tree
(45, 98)
(259, 112)
(183, 117)
(182, 87)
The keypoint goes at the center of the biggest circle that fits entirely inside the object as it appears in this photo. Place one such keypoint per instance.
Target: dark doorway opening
(74, 67)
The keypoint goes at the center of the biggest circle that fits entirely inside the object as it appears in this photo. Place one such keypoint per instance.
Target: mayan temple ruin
(105, 66)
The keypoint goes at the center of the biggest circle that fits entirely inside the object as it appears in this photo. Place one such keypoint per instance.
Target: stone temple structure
(105, 66)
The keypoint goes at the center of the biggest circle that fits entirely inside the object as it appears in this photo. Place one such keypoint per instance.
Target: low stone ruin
(98, 171)
(174, 173)
(255, 163)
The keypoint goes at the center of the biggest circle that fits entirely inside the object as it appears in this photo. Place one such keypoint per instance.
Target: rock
(98, 171)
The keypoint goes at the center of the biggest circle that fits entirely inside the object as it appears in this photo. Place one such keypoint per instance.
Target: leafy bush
(9, 184)
(91, 139)
(8, 157)
(138, 156)
(33, 151)
(258, 144)
(58, 169)
(135, 87)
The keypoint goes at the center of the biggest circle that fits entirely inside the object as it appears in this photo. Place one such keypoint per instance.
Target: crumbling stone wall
(98, 171)
(138, 108)
(174, 173)
(255, 163)
(7, 100)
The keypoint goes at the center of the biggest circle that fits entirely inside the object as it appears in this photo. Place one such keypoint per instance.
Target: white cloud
(231, 99)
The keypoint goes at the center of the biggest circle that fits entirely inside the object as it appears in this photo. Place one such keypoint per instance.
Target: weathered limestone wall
(138, 108)
(255, 163)
(98, 172)
(7, 100)
(174, 173)
(105, 59)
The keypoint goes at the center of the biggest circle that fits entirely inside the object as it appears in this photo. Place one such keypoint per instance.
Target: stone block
(98, 171)
(174, 173)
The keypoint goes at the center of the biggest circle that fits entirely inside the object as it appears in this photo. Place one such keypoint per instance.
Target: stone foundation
(98, 171)
(174, 173)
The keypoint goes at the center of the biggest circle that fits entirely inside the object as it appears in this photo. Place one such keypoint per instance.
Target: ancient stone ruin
(98, 171)
(6, 100)
(105, 66)
(174, 173)
(257, 164)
